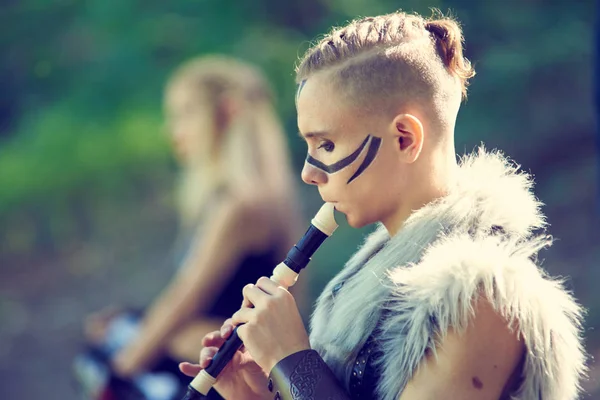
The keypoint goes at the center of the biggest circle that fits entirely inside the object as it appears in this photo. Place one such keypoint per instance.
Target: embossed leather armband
(305, 376)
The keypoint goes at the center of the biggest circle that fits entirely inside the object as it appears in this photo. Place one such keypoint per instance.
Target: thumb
(190, 370)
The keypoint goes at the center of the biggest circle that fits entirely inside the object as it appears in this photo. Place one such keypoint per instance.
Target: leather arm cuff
(304, 376)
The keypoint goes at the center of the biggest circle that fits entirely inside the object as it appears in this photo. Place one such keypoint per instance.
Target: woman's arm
(236, 227)
(473, 365)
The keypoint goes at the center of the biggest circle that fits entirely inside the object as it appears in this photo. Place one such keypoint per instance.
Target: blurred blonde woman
(237, 207)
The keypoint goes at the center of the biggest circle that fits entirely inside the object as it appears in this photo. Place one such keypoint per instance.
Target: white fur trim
(424, 278)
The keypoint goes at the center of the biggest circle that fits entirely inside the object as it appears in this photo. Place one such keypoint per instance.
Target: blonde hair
(248, 152)
(399, 55)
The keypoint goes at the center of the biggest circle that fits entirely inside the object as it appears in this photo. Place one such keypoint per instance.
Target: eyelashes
(327, 146)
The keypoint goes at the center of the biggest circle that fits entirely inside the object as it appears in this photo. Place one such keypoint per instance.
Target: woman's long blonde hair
(248, 154)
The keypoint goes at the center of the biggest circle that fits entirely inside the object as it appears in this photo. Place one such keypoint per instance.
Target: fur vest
(417, 284)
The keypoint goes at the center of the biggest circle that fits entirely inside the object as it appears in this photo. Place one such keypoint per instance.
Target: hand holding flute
(271, 326)
(242, 378)
(271, 331)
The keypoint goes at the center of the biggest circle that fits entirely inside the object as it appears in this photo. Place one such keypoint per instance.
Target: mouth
(327, 199)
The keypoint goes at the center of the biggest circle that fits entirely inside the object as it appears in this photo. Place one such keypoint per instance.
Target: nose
(312, 175)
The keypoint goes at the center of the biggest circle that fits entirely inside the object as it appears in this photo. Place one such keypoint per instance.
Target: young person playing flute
(444, 300)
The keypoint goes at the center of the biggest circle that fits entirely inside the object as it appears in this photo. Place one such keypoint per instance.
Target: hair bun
(449, 39)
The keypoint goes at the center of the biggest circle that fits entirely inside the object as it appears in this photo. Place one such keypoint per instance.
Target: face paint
(343, 163)
(369, 158)
(300, 87)
(374, 144)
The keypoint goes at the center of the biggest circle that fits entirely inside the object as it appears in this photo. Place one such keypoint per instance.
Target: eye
(327, 146)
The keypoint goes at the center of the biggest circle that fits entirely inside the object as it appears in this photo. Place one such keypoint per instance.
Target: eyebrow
(308, 135)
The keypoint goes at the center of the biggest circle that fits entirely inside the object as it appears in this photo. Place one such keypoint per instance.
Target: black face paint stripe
(371, 154)
(343, 163)
(300, 87)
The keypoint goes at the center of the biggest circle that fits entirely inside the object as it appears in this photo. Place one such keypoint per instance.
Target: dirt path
(42, 306)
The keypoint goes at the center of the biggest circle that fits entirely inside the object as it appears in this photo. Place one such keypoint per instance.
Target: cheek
(197, 131)
(373, 194)
(180, 129)
(355, 199)
(362, 211)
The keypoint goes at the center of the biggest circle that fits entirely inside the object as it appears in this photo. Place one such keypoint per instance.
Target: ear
(408, 134)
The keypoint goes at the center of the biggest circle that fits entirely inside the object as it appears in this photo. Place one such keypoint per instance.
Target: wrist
(285, 354)
(302, 375)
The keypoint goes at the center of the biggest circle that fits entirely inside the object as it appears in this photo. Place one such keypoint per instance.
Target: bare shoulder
(247, 218)
(473, 364)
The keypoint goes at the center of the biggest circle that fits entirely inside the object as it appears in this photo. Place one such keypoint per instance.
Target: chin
(356, 222)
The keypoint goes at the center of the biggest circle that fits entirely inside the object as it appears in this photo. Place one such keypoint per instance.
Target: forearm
(304, 375)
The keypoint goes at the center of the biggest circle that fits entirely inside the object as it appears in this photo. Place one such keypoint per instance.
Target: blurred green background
(87, 178)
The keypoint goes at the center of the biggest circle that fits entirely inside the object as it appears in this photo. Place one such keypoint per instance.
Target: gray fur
(426, 276)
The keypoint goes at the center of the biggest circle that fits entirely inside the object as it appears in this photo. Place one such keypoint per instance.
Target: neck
(438, 170)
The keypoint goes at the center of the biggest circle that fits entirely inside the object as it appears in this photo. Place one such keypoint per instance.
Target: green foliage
(87, 79)
(63, 166)
(58, 151)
